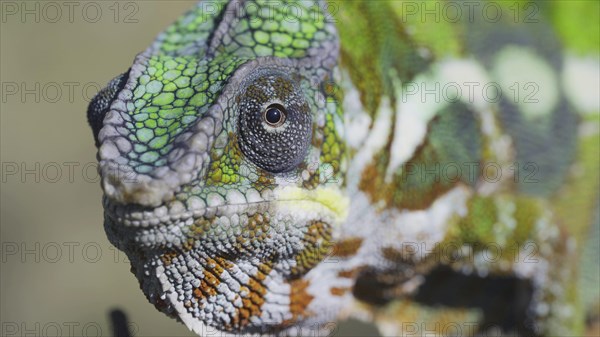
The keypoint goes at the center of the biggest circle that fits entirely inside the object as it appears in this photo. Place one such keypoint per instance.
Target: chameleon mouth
(136, 216)
(146, 218)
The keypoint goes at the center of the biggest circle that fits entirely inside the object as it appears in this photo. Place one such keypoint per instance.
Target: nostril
(136, 189)
(100, 104)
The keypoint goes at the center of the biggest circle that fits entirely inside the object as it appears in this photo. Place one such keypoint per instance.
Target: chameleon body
(268, 172)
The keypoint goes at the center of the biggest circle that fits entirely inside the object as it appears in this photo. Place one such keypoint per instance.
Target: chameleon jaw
(237, 269)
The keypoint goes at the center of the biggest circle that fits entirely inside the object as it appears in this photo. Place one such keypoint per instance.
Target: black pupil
(273, 115)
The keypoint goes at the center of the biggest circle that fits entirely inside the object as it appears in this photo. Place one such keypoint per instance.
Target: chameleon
(271, 167)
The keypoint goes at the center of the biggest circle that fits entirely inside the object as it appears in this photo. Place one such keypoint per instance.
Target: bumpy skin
(235, 223)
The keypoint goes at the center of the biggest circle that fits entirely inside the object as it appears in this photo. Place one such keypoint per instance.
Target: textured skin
(348, 209)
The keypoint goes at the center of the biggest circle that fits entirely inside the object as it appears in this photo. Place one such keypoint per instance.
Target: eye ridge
(275, 115)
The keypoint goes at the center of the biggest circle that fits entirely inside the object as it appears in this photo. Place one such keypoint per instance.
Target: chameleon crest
(272, 166)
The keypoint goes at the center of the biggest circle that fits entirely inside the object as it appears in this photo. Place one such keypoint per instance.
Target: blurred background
(59, 274)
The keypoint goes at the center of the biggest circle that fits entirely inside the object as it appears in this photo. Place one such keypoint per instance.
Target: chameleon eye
(275, 115)
(274, 122)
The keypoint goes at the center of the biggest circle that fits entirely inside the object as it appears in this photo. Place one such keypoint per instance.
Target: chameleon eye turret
(275, 123)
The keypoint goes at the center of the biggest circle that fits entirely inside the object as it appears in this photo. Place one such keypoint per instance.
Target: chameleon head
(221, 162)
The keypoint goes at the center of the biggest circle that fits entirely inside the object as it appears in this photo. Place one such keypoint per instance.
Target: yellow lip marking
(331, 198)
